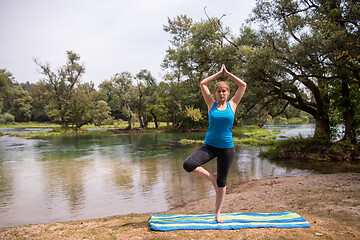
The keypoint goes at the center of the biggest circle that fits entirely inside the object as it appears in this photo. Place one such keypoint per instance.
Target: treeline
(298, 57)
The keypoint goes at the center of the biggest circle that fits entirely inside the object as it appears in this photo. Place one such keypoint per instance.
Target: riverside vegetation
(305, 66)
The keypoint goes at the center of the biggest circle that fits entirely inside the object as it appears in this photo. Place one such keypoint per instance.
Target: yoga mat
(232, 221)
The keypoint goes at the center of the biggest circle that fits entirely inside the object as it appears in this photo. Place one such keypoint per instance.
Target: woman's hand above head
(223, 70)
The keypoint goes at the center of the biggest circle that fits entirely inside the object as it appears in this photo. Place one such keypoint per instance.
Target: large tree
(61, 87)
(118, 92)
(295, 58)
(21, 103)
(145, 90)
(6, 80)
(198, 49)
(338, 23)
(82, 107)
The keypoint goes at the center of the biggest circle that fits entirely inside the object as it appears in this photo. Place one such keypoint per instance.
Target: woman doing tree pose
(218, 140)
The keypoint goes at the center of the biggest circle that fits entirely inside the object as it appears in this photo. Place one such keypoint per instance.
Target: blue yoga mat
(232, 221)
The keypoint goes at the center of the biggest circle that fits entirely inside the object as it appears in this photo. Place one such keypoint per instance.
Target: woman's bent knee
(188, 166)
(221, 182)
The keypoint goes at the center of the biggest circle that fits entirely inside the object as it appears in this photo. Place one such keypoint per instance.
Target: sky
(111, 36)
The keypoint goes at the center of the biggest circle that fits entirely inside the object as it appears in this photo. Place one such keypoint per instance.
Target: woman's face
(222, 93)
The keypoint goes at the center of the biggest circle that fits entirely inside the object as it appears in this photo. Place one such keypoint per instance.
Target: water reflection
(72, 178)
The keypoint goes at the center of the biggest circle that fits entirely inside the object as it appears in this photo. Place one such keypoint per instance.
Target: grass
(124, 124)
(58, 130)
(117, 124)
(253, 132)
(276, 131)
(245, 135)
(30, 125)
(253, 141)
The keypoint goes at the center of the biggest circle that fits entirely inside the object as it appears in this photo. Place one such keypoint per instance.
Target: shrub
(6, 118)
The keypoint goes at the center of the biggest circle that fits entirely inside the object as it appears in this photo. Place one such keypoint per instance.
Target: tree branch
(221, 29)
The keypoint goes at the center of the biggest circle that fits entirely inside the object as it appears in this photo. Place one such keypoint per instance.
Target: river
(75, 178)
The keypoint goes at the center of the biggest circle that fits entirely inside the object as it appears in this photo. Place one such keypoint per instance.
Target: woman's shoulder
(232, 105)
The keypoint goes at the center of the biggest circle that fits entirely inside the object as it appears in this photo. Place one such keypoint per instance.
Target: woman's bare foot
(213, 178)
(219, 219)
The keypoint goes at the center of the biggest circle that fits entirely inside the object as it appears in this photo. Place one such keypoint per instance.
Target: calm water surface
(76, 178)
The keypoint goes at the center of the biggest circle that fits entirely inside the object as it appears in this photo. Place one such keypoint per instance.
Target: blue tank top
(219, 133)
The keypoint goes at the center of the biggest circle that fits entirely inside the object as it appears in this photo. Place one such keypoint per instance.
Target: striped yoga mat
(232, 221)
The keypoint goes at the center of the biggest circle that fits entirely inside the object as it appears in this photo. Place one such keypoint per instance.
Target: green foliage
(82, 105)
(21, 104)
(61, 89)
(308, 58)
(6, 118)
(30, 125)
(102, 114)
(253, 141)
(146, 98)
(193, 113)
(197, 50)
(6, 80)
(252, 131)
(248, 135)
(313, 148)
(119, 93)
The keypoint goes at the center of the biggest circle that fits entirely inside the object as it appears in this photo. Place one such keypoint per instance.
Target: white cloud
(110, 35)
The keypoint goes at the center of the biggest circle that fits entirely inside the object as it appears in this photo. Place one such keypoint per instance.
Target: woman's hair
(222, 83)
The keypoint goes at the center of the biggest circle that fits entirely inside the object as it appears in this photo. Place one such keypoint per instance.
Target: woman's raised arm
(235, 100)
(205, 90)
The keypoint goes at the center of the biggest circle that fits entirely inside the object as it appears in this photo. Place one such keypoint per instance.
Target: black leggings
(205, 153)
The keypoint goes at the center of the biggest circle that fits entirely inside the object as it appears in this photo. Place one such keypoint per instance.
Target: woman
(218, 141)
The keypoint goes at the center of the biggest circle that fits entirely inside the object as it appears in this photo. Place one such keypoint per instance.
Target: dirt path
(330, 203)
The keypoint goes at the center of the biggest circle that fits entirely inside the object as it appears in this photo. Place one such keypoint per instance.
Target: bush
(6, 118)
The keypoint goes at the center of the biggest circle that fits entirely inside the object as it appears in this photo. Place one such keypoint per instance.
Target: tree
(297, 46)
(61, 87)
(6, 80)
(145, 89)
(118, 92)
(16, 101)
(40, 98)
(82, 105)
(338, 22)
(102, 114)
(21, 104)
(160, 104)
(198, 50)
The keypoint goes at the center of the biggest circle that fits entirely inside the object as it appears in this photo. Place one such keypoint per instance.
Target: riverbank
(329, 202)
(248, 135)
(312, 150)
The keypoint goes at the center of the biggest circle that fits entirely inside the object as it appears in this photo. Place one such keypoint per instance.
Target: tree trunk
(130, 116)
(322, 126)
(129, 121)
(140, 119)
(349, 126)
(348, 114)
(155, 119)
